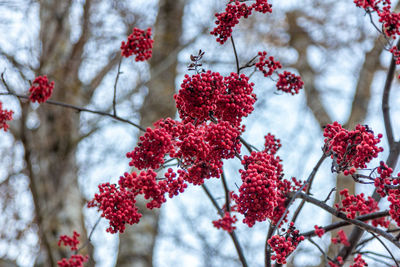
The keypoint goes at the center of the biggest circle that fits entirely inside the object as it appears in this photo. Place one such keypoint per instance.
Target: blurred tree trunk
(50, 149)
(137, 243)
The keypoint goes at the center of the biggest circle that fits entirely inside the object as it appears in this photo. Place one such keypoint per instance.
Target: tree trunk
(137, 242)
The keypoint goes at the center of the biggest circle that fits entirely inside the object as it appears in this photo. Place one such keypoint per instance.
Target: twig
(89, 237)
(326, 257)
(310, 178)
(226, 189)
(329, 195)
(232, 234)
(343, 216)
(385, 99)
(388, 250)
(81, 109)
(115, 87)
(340, 224)
(236, 56)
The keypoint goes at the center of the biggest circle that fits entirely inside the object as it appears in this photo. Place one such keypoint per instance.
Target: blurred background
(52, 159)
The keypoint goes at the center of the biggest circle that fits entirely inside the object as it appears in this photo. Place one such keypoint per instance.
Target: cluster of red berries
(150, 151)
(394, 199)
(258, 194)
(117, 206)
(72, 242)
(75, 260)
(289, 83)
(230, 18)
(139, 44)
(227, 98)
(354, 205)
(385, 181)
(341, 238)
(359, 262)
(41, 89)
(284, 245)
(319, 231)
(270, 63)
(350, 148)
(338, 262)
(272, 144)
(226, 223)
(5, 116)
(396, 54)
(367, 4)
(236, 101)
(389, 19)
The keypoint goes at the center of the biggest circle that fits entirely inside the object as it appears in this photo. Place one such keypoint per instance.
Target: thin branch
(226, 189)
(236, 56)
(340, 224)
(310, 178)
(232, 234)
(115, 88)
(267, 247)
(326, 257)
(385, 99)
(388, 250)
(343, 216)
(81, 109)
(90, 236)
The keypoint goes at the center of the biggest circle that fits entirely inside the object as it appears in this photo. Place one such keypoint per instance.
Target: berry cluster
(271, 144)
(390, 20)
(384, 181)
(41, 89)
(337, 262)
(70, 241)
(117, 206)
(75, 260)
(341, 238)
(319, 231)
(230, 18)
(139, 44)
(289, 83)
(226, 223)
(396, 54)
(5, 116)
(228, 98)
(258, 194)
(284, 245)
(270, 63)
(394, 199)
(355, 205)
(350, 148)
(359, 262)
(150, 151)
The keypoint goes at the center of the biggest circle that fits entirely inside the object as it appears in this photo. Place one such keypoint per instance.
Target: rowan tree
(175, 154)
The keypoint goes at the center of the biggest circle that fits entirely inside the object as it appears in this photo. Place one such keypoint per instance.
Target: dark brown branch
(236, 56)
(388, 250)
(340, 224)
(81, 109)
(385, 99)
(233, 234)
(115, 88)
(343, 216)
(310, 178)
(226, 190)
